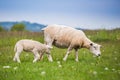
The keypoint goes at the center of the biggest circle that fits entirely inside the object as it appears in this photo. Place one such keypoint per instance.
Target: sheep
(67, 37)
(35, 47)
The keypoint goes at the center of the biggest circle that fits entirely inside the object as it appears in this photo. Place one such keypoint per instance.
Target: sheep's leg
(17, 54)
(16, 57)
(49, 56)
(36, 56)
(48, 39)
(76, 55)
(68, 52)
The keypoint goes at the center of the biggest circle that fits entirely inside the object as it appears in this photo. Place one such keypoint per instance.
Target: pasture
(107, 67)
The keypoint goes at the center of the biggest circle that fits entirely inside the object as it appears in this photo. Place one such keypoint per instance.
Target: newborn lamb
(35, 47)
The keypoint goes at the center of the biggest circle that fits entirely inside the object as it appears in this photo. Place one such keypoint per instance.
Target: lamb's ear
(91, 44)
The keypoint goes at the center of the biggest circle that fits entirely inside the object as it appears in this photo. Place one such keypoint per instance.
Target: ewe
(68, 37)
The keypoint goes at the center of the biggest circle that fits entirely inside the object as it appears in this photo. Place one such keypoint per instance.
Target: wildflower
(6, 66)
(43, 73)
(58, 62)
(15, 68)
(59, 65)
(94, 72)
(113, 69)
(106, 68)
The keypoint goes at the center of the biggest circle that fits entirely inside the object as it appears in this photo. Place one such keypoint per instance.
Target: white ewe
(35, 47)
(68, 37)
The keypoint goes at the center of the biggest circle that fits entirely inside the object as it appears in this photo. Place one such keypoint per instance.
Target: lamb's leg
(50, 57)
(68, 52)
(76, 55)
(36, 56)
(41, 56)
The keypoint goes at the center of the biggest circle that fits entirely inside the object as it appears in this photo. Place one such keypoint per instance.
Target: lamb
(35, 47)
(67, 37)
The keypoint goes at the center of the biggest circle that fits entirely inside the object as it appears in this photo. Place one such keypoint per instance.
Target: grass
(107, 67)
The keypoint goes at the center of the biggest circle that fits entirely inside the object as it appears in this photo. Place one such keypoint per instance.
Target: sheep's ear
(91, 44)
(100, 45)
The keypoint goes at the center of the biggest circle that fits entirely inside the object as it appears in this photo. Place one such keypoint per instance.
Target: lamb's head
(95, 49)
(48, 48)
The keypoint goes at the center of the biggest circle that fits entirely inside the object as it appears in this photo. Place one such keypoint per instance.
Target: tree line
(15, 27)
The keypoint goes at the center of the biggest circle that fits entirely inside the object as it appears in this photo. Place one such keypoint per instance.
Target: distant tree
(1, 29)
(18, 27)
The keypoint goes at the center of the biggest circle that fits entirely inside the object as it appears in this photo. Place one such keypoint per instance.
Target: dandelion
(15, 68)
(6, 67)
(43, 73)
(94, 72)
(59, 65)
(113, 69)
(106, 68)
(58, 62)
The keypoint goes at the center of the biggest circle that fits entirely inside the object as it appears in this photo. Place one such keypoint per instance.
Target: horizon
(100, 14)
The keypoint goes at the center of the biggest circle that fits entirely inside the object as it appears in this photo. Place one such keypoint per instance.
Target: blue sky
(90, 14)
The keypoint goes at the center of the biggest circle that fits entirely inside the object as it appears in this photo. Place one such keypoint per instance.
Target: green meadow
(106, 67)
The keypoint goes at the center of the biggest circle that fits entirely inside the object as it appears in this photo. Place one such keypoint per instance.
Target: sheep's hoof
(51, 60)
(64, 59)
(19, 62)
(34, 61)
(14, 59)
(76, 60)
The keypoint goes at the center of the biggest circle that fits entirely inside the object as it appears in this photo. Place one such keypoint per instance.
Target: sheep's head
(95, 49)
